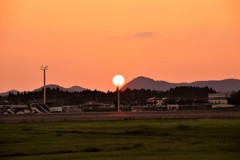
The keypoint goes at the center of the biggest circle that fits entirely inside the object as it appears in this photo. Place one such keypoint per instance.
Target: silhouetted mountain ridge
(70, 89)
(226, 85)
(7, 93)
(51, 86)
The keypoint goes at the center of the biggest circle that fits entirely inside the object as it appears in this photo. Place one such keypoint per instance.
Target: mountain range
(54, 86)
(141, 82)
(51, 86)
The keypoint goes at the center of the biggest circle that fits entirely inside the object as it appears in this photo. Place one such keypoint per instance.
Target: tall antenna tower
(44, 68)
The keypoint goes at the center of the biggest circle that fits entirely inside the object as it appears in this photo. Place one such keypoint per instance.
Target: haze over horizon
(86, 43)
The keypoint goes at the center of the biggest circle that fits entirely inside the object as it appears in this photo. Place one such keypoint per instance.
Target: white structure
(155, 101)
(44, 68)
(38, 108)
(222, 105)
(173, 107)
(218, 98)
(91, 105)
(14, 109)
(70, 108)
(56, 109)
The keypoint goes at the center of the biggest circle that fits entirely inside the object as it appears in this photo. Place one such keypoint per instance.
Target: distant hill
(54, 86)
(75, 89)
(51, 86)
(141, 82)
(7, 93)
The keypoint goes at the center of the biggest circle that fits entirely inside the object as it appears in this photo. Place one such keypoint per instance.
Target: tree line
(59, 97)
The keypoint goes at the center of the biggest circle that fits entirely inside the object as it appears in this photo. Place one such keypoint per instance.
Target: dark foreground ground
(87, 116)
(158, 139)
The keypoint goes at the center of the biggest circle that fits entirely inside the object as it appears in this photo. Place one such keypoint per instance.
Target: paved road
(117, 116)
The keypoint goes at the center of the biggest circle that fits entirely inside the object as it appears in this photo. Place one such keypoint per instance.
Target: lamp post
(44, 68)
(118, 81)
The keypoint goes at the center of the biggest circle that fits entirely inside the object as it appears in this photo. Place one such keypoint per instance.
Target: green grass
(168, 139)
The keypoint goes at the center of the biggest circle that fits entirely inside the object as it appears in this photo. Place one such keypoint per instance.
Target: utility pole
(118, 99)
(118, 81)
(44, 68)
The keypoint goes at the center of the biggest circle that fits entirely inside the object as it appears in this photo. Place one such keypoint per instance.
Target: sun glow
(118, 80)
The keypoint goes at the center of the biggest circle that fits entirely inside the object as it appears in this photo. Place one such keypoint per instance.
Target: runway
(96, 116)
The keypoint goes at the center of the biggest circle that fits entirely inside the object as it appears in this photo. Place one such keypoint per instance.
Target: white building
(56, 109)
(155, 101)
(173, 107)
(14, 109)
(71, 108)
(218, 98)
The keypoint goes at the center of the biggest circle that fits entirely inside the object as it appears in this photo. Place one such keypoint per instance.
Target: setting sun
(118, 80)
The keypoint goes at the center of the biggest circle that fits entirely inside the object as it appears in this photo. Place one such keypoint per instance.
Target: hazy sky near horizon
(87, 42)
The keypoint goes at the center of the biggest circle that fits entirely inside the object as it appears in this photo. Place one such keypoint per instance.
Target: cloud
(136, 35)
(145, 34)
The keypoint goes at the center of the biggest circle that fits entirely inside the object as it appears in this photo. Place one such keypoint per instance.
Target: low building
(97, 106)
(155, 101)
(71, 108)
(172, 107)
(56, 109)
(218, 98)
(14, 109)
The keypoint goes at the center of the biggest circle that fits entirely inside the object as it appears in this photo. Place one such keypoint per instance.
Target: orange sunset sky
(87, 42)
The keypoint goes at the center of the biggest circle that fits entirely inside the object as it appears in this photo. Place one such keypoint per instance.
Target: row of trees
(235, 98)
(128, 96)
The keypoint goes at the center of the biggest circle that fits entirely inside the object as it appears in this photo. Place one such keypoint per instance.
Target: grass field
(167, 139)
